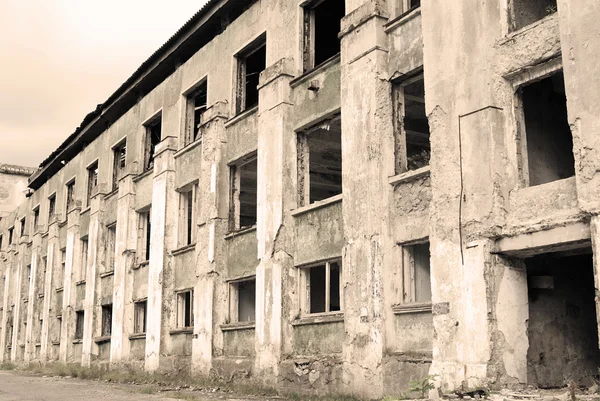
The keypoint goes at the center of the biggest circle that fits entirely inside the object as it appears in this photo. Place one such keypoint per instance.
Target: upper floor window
(23, 226)
(321, 286)
(403, 6)
(153, 138)
(321, 29)
(243, 193)
(411, 126)
(51, 207)
(526, 12)
(111, 236)
(320, 162)
(36, 219)
(1, 242)
(79, 324)
(416, 273)
(139, 316)
(119, 156)
(70, 196)
(84, 259)
(185, 309)
(106, 327)
(250, 63)
(195, 107)
(242, 300)
(92, 186)
(187, 215)
(11, 236)
(144, 230)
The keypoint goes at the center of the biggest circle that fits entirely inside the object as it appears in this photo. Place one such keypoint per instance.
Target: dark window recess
(10, 235)
(324, 294)
(106, 320)
(148, 235)
(92, 182)
(416, 126)
(119, 157)
(547, 133)
(196, 106)
(243, 195)
(190, 219)
(251, 63)
(139, 324)
(526, 12)
(321, 29)
(23, 226)
(70, 196)
(185, 316)
(79, 322)
(51, 206)
(246, 300)
(36, 218)
(415, 3)
(153, 138)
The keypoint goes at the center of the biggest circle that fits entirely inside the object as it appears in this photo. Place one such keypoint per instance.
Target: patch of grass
(7, 366)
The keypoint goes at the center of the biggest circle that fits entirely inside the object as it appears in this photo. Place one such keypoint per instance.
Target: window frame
(180, 317)
(35, 224)
(308, 40)
(187, 215)
(79, 325)
(119, 162)
(234, 300)
(137, 308)
(192, 131)
(84, 247)
(408, 269)
(92, 182)
(304, 288)
(106, 324)
(70, 196)
(241, 58)
(144, 234)
(235, 190)
(154, 123)
(110, 247)
(51, 207)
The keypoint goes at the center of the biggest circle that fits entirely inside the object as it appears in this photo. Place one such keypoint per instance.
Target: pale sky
(60, 58)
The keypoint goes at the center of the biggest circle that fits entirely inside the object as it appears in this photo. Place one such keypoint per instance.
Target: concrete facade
(13, 184)
(329, 209)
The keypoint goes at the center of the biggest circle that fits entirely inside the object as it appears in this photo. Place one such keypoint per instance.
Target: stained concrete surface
(21, 387)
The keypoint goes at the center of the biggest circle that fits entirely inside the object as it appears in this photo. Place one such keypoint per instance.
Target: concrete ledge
(402, 19)
(238, 326)
(101, 340)
(185, 330)
(239, 117)
(563, 238)
(138, 336)
(416, 307)
(188, 147)
(240, 232)
(77, 341)
(107, 274)
(317, 205)
(318, 69)
(410, 175)
(330, 317)
(183, 249)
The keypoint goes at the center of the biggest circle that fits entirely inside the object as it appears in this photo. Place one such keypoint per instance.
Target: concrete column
(32, 298)
(69, 292)
(212, 222)
(276, 146)
(125, 245)
(95, 244)
(368, 161)
(20, 266)
(53, 257)
(5, 271)
(164, 205)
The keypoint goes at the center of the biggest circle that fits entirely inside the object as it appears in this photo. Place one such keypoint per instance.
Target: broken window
(119, 156)
(144, 231)
(187, 215)
(51, 207)
(111, 236)
(84, 259)
(70, 195)
(243, 193)
(242, 300)
(153, 138)
(11, 238)
(92, 187)
(411, 127)
(322, 283)
(547, 137)
(416, 273)
(525, 12)
(106, 328)
(321, 29)
(79, 324)
(23, 226)
(320, 162)
(195, 107)
(185, 311)
(250, 63)
(139, 317)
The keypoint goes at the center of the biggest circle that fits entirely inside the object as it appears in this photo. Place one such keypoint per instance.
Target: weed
(422, 386)
(551, 9)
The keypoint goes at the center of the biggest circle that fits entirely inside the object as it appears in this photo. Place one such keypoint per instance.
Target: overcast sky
(60, 58)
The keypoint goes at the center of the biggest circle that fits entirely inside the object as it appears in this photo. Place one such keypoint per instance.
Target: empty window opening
(525, 12)
(242, 301)
(196, 101)
(547, 134)
(106, 328)
(562, 327)
(70, 196)
(79, 324)
(251, 62)
(416, 273)
(139, 317)
(36, 219)
(243, 197)
(119, 163)
(185, 311)
(321, 29)
(61, 270)
(187, 216)
(51, 207)
(111, 236)
(84, 259)
(23, 226)
(144, 233)
(323, 288)
(153, 138)
(11, 238)
(1, 242)
(411, 127)
(320, 162)
(92, 187)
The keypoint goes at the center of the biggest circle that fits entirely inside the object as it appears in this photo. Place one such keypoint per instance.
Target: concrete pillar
(69, 293)
(164, 205)
(368, 161)
(32, 298)
(125, 245)
(53, 259)
(212, 223)
(20, 266)
(95, 244)
(276, 146)
(5, 271)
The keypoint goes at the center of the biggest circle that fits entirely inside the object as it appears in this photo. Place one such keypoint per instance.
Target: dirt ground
(19, 386)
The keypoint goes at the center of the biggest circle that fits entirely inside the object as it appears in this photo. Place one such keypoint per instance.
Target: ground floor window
(322, 287)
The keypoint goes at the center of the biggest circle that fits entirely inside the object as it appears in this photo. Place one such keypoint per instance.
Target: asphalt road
(17, 386)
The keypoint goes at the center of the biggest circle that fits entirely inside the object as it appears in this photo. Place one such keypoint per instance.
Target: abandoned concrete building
(328, 196)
